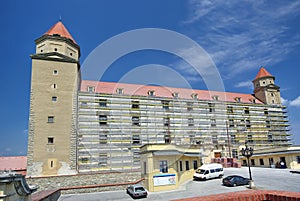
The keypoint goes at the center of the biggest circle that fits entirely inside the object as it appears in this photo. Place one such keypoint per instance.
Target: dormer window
(120, 91)
(238, 99)
(175, 94)
(252, 100)
(216, 98)
(195, 96)
(151, 93)
(91, 89)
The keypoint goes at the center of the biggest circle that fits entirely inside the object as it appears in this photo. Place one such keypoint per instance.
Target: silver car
(136, 191)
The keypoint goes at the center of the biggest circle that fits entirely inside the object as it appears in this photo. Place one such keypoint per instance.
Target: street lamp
(248, 152)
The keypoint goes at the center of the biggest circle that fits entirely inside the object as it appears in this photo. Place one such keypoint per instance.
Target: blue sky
(240, 36)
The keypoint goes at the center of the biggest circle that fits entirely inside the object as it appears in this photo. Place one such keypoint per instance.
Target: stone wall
(86, 183)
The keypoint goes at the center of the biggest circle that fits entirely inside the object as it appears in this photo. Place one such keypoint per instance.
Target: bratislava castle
(78, 126)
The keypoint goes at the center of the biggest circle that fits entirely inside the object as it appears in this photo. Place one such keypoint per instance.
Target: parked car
(136, 191)
(209, 171)
(235, 180)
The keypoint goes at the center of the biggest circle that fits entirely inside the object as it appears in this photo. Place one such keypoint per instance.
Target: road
(264, 179)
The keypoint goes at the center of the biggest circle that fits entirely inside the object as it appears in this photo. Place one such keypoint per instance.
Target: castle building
(81, 126)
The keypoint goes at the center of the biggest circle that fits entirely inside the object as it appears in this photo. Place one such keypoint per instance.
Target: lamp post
(248, 152)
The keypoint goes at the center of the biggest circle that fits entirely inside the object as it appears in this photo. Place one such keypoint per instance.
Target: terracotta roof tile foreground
(13, 163)
(165, 92)
(248, 195)
(59, 29)
(263, 73)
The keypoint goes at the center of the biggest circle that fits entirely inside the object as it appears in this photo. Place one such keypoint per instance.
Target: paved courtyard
(264, 179)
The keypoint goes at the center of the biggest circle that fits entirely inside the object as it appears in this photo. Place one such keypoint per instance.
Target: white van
(209, 171)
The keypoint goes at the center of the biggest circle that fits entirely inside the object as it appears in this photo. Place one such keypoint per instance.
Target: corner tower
(265, 89)
(55, 79)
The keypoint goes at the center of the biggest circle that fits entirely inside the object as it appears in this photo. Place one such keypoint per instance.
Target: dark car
(136, 191)
(235, 180)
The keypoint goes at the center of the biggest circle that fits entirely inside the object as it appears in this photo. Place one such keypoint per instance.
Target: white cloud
(284, 101)
(244, 35)
(295, 102)
(247, 84)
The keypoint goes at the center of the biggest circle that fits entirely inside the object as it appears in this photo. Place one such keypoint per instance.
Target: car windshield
(139, 189)
(200, 171)
(229, 177)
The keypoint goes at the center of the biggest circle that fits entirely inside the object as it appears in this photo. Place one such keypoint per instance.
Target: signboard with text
(164, 179)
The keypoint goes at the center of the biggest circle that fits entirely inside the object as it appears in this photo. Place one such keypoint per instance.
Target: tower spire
(59, 29)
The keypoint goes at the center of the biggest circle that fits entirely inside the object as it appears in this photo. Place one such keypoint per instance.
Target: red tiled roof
(263, 73)
(165, 92)
(13, 163)
(61, 30)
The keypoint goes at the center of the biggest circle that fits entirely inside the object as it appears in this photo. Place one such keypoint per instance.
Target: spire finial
(60, 18)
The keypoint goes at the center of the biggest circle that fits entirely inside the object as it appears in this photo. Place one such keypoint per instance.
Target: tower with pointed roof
(55, 80)
(265, 89)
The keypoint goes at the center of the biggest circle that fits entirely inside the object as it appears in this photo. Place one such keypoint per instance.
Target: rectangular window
(102, 119)
(189, 106)
(84, 160)
(135, 121)
(163, 166)
(190, 122)
(55, 72)
(195, 164)
(270, 138)
(187, 165)
(103, 139)
(261, 161)
(213, 123)
(102, 159)
(231, 123)
(136, 139)
(50, 140)
(234, 153)
(252, 162)
(266, 111)
(51, 164)
(268, 124)
(180, 166)
(136, 158)
(248, 124)
(246, 110)
(102, 102)
(145, 168)
(50, 119)
(229, 109)
(166, 105)
(135, 104)
(166, 121)
(250, 138)
(215, 139)
(298, 159)
(211, 107)
(54, 98)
